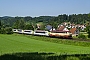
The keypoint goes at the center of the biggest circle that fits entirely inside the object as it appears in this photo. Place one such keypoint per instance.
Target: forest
(74, 18)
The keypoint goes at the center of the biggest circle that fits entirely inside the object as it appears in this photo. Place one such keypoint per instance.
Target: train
(54, 33)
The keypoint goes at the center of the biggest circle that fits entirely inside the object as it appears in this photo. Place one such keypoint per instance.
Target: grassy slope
(20, 43)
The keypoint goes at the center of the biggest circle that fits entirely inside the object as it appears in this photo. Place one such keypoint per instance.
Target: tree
(81, 36)
(21, 24)
(88, 29)
(29, 27)
(16, 25)
(41, 26)
(54, 23)
(0, 24)
(2, 31)
(8, 30)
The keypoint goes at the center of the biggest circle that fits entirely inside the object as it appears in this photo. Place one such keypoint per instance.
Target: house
(62, 28)
(53, 29)
(74, 31)
(83, 27)
(65, 23)
(48, 27)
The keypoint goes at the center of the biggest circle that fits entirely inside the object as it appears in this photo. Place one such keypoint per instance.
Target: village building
(62, 28)
(74, 31)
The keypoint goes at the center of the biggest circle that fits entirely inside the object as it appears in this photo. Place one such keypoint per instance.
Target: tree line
(74, 18)
(29, 22)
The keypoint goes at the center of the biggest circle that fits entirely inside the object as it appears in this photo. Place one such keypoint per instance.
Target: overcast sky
(43, 7)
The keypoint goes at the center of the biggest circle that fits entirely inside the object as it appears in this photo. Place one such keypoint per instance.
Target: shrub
(81, 36)
(2, 31)
(72, 58)
(88, 34)
(8, 30)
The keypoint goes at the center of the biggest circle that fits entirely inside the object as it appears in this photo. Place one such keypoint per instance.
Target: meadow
(17, 43)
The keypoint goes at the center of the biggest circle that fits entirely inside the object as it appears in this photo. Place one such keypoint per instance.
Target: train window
(27, 31)
(40, 32)
(14, 30)
(58, 32)
(20, 30)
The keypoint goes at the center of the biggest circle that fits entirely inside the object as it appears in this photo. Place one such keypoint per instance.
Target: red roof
(72, 30)
(60, 28)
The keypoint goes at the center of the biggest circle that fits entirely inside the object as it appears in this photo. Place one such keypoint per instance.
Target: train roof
(28, 30)
(59, 31)
(40, 31)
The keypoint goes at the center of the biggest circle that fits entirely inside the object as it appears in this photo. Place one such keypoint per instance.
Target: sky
(35, 8)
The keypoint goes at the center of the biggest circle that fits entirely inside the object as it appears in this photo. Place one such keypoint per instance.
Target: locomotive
(61, 34)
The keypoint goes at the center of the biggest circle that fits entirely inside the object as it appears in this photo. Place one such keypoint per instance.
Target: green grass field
(20, 43)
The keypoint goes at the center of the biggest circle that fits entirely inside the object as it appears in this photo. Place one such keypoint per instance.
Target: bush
(81, 36)
(88, 34)
(72, 58)
(2, 31)
(8, 30)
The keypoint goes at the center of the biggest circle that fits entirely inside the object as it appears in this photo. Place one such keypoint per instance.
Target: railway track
(77, 39)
